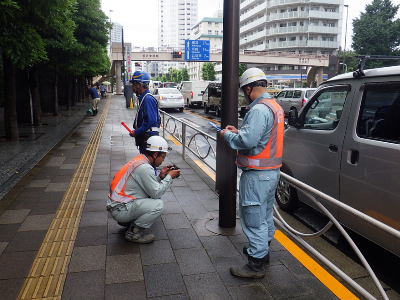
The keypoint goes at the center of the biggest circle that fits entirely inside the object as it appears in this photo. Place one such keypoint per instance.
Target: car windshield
(169, 91)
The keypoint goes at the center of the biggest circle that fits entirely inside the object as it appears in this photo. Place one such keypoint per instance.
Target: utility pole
(226, 167)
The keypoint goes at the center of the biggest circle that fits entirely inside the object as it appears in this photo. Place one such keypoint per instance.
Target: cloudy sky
(140, 19)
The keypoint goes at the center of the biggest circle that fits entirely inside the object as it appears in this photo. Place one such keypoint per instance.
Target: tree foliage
(208, 71)
(376, 32)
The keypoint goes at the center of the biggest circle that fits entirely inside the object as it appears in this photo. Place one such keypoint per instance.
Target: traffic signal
(176, 54)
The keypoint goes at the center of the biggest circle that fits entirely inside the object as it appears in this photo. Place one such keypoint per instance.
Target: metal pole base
(212, 225)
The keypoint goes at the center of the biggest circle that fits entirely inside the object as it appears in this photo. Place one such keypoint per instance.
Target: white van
(193, 91)
(154, 85)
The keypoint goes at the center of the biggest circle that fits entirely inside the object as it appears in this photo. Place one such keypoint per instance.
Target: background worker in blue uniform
(259, 143)
(94, 99)
(147, 120)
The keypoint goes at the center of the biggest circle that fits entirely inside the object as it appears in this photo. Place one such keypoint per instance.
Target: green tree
(242, 68)
(22, 44)
(208, 71)
(376, 31)
(184, 74)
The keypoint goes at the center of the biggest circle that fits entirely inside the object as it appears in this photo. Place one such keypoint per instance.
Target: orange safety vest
(117, 186)
(271, 156)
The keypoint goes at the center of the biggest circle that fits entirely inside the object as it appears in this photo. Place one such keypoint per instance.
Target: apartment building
(210, 29)
(116, 32)
(297, 26)
(175, 21)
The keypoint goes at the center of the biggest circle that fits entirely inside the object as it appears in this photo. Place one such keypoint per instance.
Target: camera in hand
(175, 167)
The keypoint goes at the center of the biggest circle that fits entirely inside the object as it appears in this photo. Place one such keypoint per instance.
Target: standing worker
(102, 90)
(147, 120)
(94, 98)
(135, 190)
(259, 144)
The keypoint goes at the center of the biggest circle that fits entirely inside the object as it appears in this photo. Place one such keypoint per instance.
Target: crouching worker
(136, 189)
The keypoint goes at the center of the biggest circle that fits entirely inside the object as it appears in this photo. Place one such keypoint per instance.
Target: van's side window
(380, 112)
(326, 108)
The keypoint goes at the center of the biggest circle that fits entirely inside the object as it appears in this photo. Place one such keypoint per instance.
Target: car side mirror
(293, 119)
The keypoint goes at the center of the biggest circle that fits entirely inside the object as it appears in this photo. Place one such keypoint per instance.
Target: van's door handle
(333, 148)
(354, 155)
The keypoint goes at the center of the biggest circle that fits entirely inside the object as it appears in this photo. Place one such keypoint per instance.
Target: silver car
(345, 142)
(292, 97)
(169, 98)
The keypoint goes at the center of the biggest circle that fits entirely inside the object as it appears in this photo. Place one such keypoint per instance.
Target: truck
(192, 92)
(212, 100)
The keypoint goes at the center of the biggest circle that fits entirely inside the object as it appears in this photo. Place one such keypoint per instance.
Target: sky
(140, 21)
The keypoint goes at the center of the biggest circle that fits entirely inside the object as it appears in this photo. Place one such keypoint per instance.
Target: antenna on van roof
(363, 59)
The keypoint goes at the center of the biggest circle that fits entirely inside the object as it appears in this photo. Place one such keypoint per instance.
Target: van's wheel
(206, 108)
(218, 111)
(286, 196)
(180, 108)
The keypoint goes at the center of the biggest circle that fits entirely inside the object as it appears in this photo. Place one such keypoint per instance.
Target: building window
(216, 32)
(209, 23)
(209, 31)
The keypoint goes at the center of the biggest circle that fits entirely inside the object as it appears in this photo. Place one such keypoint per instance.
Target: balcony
(304, 44)
(274, 3)
(303, 29)
(253, 37)
(260, 9)
(253, 24)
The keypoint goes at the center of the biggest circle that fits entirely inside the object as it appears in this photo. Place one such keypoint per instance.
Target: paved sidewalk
(186, 261)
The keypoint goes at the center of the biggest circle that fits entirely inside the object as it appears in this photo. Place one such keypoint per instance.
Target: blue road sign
(197, 50)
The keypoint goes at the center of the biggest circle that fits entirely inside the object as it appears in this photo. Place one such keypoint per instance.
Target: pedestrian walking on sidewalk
(94, 99)
(147, 120)
(102, 91)
(259, 144)
(135, 191)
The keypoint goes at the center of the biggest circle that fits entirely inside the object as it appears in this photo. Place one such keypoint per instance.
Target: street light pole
(110, 30)
(345, 35)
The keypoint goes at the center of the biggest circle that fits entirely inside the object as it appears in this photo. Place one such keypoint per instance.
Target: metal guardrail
(315, 195)
(178, 129)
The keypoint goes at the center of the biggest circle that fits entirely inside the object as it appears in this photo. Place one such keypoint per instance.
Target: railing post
(183, 140)
(163, 124)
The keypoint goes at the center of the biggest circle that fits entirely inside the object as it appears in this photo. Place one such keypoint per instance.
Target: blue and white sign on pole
(197, 50)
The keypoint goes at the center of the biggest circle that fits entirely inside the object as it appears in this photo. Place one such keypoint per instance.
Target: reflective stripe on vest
(117, 186)
(271, 156)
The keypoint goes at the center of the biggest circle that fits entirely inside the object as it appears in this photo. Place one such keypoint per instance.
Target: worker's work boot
(253, 269)
(135, 234)
(266, 257)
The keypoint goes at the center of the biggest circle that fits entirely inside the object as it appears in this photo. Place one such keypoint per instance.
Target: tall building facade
(210, 29)
(116, 33)
(296, 26)
(175, 21)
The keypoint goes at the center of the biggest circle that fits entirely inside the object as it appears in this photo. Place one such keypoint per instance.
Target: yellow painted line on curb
(203, 117)
(49, 269)
(175, 141)
(319, 272)
(327, 279)
(205, 169)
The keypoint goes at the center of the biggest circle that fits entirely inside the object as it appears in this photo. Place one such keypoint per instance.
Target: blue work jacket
(148, 115)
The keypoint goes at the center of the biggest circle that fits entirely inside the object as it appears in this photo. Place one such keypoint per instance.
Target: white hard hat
(157, 144)
(252, 75)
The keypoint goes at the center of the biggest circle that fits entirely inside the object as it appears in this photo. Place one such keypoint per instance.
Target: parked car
(345, 142)
(293, 97)
(193, 91)
(169, 98)
(212, 99)
(169, 85)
